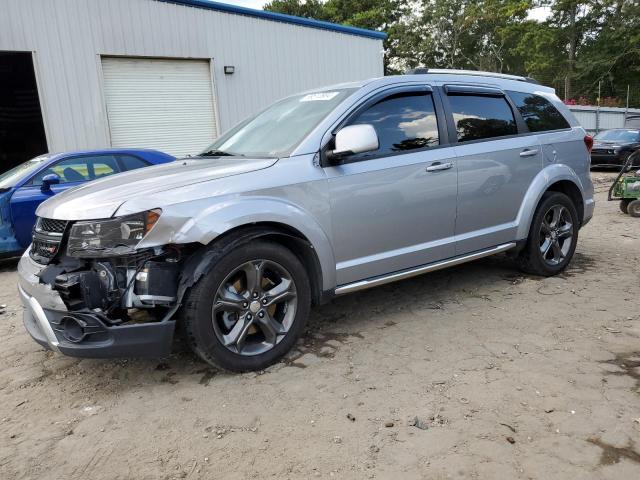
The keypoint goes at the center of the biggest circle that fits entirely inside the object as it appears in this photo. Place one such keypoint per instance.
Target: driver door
(395, 207)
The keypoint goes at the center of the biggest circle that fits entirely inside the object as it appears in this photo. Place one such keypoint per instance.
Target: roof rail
(445, 71)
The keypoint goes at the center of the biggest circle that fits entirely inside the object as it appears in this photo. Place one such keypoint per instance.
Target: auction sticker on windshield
(319, 97)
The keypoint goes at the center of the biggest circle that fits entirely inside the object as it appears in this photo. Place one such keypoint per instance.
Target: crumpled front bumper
(46, 317)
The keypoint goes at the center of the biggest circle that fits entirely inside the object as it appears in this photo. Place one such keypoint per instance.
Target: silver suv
(323, 193)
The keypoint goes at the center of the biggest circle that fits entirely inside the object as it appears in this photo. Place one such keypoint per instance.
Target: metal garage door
(163, 104)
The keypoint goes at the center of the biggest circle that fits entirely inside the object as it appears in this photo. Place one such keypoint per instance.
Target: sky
(539, 14)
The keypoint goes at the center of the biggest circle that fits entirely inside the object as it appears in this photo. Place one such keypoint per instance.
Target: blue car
(26, 186)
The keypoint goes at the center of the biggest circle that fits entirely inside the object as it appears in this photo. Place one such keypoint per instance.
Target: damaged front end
(89, 293)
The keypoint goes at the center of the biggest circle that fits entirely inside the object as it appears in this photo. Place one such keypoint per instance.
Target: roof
(103, 151)
(280, 17)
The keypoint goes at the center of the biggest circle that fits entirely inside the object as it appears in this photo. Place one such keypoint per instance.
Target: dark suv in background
(613, 147)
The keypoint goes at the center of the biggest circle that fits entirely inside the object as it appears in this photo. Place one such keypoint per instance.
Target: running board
(412, 272)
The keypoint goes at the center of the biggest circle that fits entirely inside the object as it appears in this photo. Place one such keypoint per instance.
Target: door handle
(529, 152)
(437, 166)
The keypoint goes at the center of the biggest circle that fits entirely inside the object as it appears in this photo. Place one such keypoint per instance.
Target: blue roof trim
(280, 17)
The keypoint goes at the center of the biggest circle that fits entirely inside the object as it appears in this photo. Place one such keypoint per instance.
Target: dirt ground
(474, 372)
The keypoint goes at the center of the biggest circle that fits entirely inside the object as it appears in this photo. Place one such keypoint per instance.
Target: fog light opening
(73, 329)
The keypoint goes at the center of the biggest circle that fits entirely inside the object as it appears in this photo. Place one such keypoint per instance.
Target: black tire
(198, 316)
(531, 259)
(624, 206)
(634, 208)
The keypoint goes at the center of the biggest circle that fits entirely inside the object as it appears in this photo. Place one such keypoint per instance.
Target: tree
(581, 44)
(308, 8)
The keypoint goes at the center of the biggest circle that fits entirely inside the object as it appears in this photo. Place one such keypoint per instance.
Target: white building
(164, 74)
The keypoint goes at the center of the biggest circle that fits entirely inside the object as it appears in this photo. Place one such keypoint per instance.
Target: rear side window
(131, 163)
(538, 112)
(481, 116)
(403, 122)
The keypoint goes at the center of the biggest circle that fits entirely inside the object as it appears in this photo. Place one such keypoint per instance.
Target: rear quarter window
(129, 162)
(538, 113)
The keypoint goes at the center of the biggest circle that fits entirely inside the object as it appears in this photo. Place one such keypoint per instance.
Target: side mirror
(354, 139)
(48, 180)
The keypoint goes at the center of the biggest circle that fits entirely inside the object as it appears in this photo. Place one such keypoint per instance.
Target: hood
(102, 198)
(604, 144)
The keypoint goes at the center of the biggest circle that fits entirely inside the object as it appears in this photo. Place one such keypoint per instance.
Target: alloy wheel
(556, 235)
(254, 307)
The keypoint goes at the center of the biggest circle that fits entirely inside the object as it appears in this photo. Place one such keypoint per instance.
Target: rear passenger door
(496, 164)
(559, 142)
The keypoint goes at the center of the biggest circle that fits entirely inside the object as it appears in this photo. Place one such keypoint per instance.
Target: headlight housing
(111, 237)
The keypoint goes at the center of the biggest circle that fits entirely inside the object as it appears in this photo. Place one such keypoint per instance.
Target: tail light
(588, 141)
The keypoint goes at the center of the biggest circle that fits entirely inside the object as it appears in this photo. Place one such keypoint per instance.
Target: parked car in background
(324, 193)
(611, 148)
(29, 184)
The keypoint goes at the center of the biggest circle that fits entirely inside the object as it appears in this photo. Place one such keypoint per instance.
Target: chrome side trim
(41, 318)
(412, 272)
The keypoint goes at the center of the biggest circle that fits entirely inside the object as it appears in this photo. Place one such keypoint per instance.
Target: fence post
(598, 110)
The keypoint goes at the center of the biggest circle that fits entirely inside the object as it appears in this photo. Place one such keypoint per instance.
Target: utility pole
(573, 40)
(598, 109)
(626, 108)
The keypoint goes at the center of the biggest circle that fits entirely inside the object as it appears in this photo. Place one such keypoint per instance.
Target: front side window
(79, 169)
(403, 122)
(478, 117)
(538, 112)
(276, 131)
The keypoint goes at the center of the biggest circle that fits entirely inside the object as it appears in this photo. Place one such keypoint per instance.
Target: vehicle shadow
(345, 320)
(9, 264)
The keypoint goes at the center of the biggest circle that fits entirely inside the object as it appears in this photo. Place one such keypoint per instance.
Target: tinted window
(131, 163)
(80, 169)
(403, 122)
(628, 136)
(477, 117)
(538, 112)
(276, 131)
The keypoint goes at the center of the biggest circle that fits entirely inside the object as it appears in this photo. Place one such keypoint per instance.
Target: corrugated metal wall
(605, 118)
(272, 59)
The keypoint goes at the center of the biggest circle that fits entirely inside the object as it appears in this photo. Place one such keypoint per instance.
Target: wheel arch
(203, 259)
(555, 178)
(288, 237)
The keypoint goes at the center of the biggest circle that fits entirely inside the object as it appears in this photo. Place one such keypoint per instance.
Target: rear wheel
(624, 206)
(634, 208)
(553, 236)
(249, 310)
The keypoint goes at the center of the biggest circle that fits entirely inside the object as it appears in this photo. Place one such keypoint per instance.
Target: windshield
(276, 131)
(619, 136)
(11, 177)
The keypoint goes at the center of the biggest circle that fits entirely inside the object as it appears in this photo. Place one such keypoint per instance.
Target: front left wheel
(249, 310)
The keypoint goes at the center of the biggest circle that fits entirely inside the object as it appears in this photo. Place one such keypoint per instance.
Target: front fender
(540, 184)
(179, 224)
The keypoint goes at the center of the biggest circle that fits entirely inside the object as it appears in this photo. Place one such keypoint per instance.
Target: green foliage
(582, 43)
